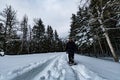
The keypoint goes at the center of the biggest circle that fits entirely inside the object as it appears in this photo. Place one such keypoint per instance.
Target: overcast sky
(56, 13)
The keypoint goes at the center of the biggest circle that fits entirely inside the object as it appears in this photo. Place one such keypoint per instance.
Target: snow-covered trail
(55, 68)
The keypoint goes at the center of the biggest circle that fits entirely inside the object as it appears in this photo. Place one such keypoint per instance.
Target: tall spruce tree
(56, 37)
(50, 38)
(38, 35)
(38, 29)
(56, 41)
(1, 36)
(9, 21)
(24, 28)
(73, 26)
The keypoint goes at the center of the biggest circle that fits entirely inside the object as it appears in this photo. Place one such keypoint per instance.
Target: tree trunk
(94, 50)
(111, 47)
(108, 39)
(100, 44)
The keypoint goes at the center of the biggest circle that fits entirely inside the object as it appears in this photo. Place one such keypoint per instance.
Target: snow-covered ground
(54, 66)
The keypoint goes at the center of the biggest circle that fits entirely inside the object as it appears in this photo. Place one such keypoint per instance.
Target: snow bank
(107, 69)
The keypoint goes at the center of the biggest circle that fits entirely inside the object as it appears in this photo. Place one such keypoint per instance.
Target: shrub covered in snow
(2, 53)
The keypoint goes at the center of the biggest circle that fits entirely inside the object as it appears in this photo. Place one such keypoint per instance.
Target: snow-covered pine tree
(8, 18)
(73, 26)
(56, 40)
(50, 38)
(38, 35)
(80, 28)
(58, 43)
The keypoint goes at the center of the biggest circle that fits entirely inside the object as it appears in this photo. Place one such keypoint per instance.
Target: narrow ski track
(29, 75)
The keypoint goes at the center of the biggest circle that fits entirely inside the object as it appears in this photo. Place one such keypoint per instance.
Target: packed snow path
(56, 68)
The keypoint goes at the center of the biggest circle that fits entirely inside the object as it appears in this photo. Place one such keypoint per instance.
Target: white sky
(56, 13)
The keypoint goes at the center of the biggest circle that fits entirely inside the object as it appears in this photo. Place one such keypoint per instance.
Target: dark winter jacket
(71, 47)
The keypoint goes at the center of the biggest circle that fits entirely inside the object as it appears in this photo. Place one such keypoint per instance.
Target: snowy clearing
(54, 66)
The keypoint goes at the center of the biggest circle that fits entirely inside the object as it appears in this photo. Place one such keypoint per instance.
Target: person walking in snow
(71, 48)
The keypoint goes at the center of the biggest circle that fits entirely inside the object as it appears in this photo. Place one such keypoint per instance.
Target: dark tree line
(18, 37)
(92, 24)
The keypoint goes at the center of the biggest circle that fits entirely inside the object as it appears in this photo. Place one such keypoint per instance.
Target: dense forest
(18, 37)
(96, 28)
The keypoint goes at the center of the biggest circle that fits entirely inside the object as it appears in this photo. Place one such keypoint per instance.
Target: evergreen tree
(1, 36)
(56, 41)
(56, 36)
(38, 35)
(9, 21)
(50, 32)
(81, 28)
(38, 30)
(50, 38)
(24, 29)
(73, 26)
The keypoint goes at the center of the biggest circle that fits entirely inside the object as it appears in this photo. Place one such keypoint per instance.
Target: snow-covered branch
(103, 8)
